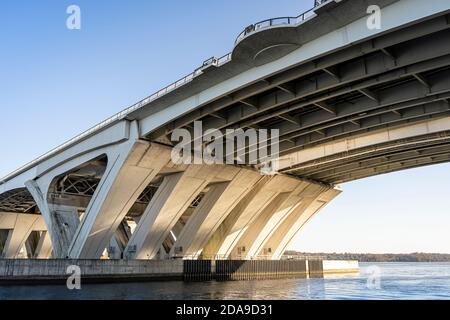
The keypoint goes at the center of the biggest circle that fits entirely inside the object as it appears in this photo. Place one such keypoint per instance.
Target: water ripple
(406, 281)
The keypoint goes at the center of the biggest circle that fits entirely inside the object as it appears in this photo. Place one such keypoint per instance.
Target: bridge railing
(280, 21)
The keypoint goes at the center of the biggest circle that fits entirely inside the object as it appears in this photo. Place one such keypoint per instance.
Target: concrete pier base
(50, 271)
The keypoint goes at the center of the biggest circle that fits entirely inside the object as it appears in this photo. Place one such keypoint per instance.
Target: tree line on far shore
(369, 257)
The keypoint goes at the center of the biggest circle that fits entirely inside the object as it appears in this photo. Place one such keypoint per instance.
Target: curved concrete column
(114, 249)
(61, 221)
(260, 230)
(239, 249)
(106, 143)
(44, 247)
(297, 201)
(3, 238)
(234, 226)
(213, 245)
(286, 231)
(66, 221)
(214, 208)
(119, 241)
(20, 227)
(130, 170)
(174, 196)
(31, 244)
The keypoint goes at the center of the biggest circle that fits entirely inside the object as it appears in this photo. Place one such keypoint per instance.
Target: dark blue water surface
(375, 281)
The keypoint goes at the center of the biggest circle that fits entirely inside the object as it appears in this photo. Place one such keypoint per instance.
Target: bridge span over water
(349, 102)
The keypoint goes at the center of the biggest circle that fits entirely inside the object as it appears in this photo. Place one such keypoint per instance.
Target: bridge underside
(190, 212)
(398, 80)
(371, 107)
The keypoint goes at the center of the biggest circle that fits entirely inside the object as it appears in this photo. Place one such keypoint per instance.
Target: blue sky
(55, 83)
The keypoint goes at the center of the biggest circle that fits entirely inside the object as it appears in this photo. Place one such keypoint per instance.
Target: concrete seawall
(91, 270)
(43, 271)
(259, 269)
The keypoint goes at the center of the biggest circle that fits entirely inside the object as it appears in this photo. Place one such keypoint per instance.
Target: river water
(375, 281)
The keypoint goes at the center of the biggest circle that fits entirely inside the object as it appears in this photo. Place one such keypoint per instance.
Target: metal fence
(280, 21)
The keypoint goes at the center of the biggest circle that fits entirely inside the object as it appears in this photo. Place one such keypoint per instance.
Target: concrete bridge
(349, 102)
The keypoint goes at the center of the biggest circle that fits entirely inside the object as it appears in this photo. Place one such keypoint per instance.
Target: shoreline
(373, 257)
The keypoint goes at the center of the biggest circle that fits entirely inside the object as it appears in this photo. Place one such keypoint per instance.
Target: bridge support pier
(215, 207)
(62, 221)
(286, 231)
(19, 228)
(130, 170)
(257, 232)
(173, 197)
(297, 202)
(239, 249)
(31, 245)
(119, 241)
(231, 229)
(65, 222)
(44, 246)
